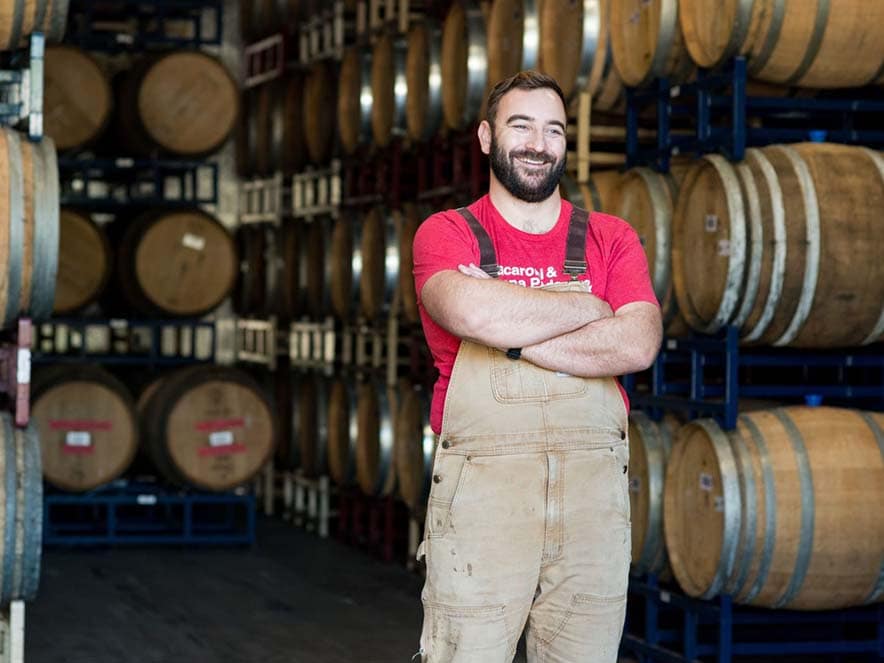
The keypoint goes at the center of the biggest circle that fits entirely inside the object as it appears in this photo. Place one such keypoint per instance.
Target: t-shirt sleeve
(628, 277)
(442, 242)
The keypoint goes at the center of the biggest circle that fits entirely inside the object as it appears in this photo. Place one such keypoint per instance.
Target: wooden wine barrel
(389, 89)
(423, 80)
(650, 443)
(375, 438)
(824, 46)
(181, 262)
(647, 43)
(414, 449)
(784, 512)
(250, 293)
(319, 102)
(21, 519)
(464, 70)
(355, 97)
(343, 431)
(276, 127)
(310, 413)
(763, 245)
(77, 97)
(29, 227)
(183, 102)
(20, 18)
(379, 257)
(208, 426)
(87, 425)
(84, 262)
(346, 275)
(412, 216)
(575, 49)
(283, 272)
(513, 38)
(601, 193)
(318, 269)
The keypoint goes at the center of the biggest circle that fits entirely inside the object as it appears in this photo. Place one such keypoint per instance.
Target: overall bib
(528, 514)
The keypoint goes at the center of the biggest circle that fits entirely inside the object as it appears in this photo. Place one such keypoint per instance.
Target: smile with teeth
(532, 162)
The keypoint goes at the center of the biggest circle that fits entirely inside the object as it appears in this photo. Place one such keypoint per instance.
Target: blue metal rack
(701, 375)
(126, 513)
(129, 342)
(125, 25)
(673, 628)
(111, 185)
(718, 105)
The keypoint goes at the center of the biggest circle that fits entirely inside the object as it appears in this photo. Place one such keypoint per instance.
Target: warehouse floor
(292, 599)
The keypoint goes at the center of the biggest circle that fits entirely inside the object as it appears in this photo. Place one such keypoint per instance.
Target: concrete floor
(292, 599)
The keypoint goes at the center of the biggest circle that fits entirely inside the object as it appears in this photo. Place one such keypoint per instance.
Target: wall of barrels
(136, 418)
(740, 142)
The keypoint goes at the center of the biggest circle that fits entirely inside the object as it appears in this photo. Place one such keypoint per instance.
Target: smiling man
(530, 307)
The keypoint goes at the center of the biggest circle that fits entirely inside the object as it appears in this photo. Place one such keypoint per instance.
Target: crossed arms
(572, 332)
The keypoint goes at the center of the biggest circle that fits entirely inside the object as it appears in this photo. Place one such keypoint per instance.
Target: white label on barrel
(221, 438)
(711, 223)
(706, 482)
(635, 485)
(78, 438)
(23, 372)
(194, 242)
(146, 500)
(719, 503)
(724, 247)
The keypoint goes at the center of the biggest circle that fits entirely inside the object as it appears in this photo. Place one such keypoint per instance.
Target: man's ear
(484, 133)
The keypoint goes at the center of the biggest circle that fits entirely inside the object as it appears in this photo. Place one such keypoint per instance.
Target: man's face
(528, 148)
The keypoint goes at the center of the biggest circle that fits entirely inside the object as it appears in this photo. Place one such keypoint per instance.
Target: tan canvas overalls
(528, 515)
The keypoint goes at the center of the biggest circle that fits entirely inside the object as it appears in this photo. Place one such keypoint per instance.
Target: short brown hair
(524, 80)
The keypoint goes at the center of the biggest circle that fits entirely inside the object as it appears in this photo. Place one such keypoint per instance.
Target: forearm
(503, 315)
(605, 348)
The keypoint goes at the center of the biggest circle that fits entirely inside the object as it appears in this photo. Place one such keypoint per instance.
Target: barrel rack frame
(669, 627)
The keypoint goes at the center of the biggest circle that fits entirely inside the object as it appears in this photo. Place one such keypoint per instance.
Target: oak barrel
(275, 127)
(762, 245)
(414, 449)
(389, 89)
(650, 443)
(647, 42)
(87, 425)
(814, 44)
(77, 97)
(310, 411)
(575, 49)
(208, 426)
(29, 227)
(181, 262)
(464, 68)
(21, 519)
(183, 102)
(355, 98)
(412, 216)
(84, 262)
(343, 431)
(319, 102)
(20, 18)
(375, 438)
(267, 284)
(317, 270)
(423, 79)
(346, 256)
(784, 512)
(379, 251)
(601, 193)
(249, 294)
(513, 38)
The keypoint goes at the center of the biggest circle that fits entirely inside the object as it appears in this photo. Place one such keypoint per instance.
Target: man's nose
(536, 141)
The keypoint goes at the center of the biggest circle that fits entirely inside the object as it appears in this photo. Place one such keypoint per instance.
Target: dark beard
(531, 191)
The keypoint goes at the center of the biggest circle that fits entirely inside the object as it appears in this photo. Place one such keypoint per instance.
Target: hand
(473, 271)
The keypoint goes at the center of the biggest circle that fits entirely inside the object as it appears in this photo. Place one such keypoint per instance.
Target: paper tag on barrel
(222, 440)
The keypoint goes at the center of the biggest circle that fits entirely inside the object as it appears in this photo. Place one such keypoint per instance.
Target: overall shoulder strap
(575, 252)
(488, 256)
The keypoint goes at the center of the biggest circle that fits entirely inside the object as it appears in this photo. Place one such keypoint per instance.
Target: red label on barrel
(219, 424)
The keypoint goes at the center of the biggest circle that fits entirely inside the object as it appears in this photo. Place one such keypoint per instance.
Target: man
(528, 516)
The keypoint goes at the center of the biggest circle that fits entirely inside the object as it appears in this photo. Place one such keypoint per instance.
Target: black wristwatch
(514, 353)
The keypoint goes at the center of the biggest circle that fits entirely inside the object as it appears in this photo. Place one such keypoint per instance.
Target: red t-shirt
(617, 268)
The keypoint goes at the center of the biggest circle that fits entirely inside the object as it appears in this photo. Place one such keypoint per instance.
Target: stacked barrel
(771, 245)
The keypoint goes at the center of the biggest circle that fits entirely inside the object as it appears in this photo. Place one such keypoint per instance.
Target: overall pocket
(449, 474)
(522, 382)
